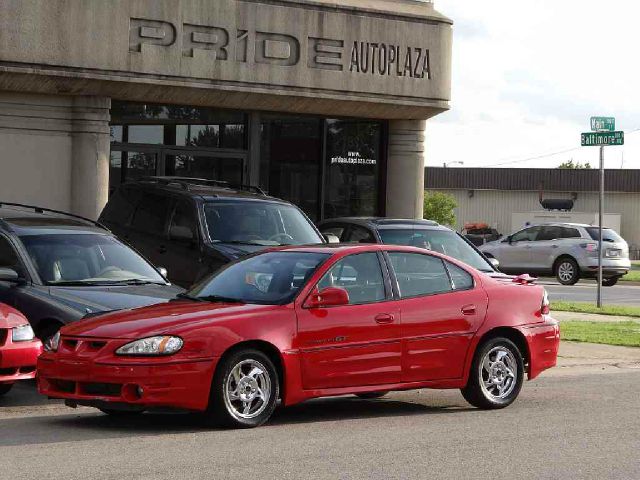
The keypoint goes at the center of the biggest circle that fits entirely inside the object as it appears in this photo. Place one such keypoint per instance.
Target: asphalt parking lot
(585, 291)
(574, 422)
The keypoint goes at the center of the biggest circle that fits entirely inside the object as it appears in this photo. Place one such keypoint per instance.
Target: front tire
(5, 388)
(244, 392)
(610, 282)
(496, 376)
(567, 271)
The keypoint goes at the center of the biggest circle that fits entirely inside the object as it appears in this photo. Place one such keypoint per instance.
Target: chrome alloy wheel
(247, 389)
(498, 373)
(566, 271)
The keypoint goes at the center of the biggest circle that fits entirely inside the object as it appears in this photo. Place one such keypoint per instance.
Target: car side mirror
(163, 272)
(327, 297)
(180, 233)
(331, 238)
(494, 262)
(9, 275)
(508, 239)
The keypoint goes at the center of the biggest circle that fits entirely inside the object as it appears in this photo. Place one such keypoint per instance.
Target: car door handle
(468, 310)
(384, 318)
(162, 249)
(554, 246)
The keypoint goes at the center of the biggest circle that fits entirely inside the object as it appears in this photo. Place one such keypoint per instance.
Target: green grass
(583, 307)
(634, 273)
(626, 334)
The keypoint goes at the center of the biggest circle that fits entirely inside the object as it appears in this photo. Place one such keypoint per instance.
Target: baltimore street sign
(598, 139)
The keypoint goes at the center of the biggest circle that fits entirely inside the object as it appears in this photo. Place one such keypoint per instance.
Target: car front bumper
(18, 360)
(543, 341)
(177, 384)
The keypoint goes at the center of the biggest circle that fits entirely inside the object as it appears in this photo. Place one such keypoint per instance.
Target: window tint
(8, 256)
(461, 279)
(183, 223)
(360, 275)
(528, 234)
(570, 233)
(360, 235)
(337, 231)
(120, 207)
(151, 214)
(549, 233)
(608, 235)
(419, 274)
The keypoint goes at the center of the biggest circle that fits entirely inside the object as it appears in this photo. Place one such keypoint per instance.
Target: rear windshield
(608, 235)
(258, 223)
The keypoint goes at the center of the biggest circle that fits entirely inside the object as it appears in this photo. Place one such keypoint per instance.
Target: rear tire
(610, 282)
(371, 395)
(567, 271)
(244, 391)
(5, 388)
(496, 375)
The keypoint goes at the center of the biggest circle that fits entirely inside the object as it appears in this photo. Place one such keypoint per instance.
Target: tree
(440, 207)
(571, 165)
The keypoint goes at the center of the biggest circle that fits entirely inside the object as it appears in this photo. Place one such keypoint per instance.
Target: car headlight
(160, 345)
(23, 333)
(52, 344)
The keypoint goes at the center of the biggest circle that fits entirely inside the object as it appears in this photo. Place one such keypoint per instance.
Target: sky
(527, 77)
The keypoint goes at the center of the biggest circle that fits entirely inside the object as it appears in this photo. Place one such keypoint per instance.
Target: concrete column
(405, 169)
(90, 155)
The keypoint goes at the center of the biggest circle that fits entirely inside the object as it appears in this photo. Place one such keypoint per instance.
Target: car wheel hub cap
(498, 373)
(565, 271)
(247, 389)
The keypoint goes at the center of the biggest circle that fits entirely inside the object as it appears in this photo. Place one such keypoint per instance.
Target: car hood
(10, 317)
(90, 299)
(168, 318)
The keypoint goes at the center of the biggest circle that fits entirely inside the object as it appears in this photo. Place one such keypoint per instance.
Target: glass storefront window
(151, 134)
(352, 168)
(204, 166)
(198, 135)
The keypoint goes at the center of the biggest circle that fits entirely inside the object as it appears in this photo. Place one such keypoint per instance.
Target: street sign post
(603, 124)
(603, 134)
(597, 139)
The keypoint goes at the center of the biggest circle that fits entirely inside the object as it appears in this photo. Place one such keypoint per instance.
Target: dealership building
(320, 102)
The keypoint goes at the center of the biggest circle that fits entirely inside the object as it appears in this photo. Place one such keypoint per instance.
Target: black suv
(194, 226)
(418, 233)
(57, 268)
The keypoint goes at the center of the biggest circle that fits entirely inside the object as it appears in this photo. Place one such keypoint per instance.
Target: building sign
(230, 44)
(352, 158)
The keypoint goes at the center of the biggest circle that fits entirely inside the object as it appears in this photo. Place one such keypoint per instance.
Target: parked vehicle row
(567, 250)
(269, 318)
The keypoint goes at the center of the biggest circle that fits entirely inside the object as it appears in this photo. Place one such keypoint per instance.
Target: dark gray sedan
(57, 268)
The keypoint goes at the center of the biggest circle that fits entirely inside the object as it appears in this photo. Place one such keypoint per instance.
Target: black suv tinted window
(8, 256)
(120, 207)
(183, 222)
(360, 235)
(151, 214)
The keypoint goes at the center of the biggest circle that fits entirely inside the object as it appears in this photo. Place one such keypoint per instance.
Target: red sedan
(304, 322)
(19, 349)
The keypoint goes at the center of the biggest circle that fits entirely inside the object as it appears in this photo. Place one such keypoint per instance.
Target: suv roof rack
(186, 182)
(37, 209)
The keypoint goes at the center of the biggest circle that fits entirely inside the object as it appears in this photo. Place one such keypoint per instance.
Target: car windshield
(272, 278)
(87, 259)
(258, 223)
(608, 235)
(443, 241)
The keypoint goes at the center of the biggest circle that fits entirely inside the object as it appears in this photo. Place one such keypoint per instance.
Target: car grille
(86, 388)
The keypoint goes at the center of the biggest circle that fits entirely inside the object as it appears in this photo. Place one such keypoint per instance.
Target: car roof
(346, 248)
(202, 188)
(384, 223)
(26, 219)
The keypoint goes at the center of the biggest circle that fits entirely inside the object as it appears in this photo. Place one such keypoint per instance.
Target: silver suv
(567, 250)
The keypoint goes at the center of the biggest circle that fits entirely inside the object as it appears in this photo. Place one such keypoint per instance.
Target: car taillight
(545, 307)
(590, 247)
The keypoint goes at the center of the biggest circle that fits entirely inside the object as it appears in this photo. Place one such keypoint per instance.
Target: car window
(360, 275)
(528, 234)
(8, 256)
(550, 232)
(419, 274)
(360, 235)
(183, 224)
(460, 278)
(338, 231)
(258, 223)
(121, 206)
(151, 214)
(570, 233)
(608, 235)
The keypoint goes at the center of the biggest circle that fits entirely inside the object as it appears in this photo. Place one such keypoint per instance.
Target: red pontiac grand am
(304, 322)
(19, 349)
